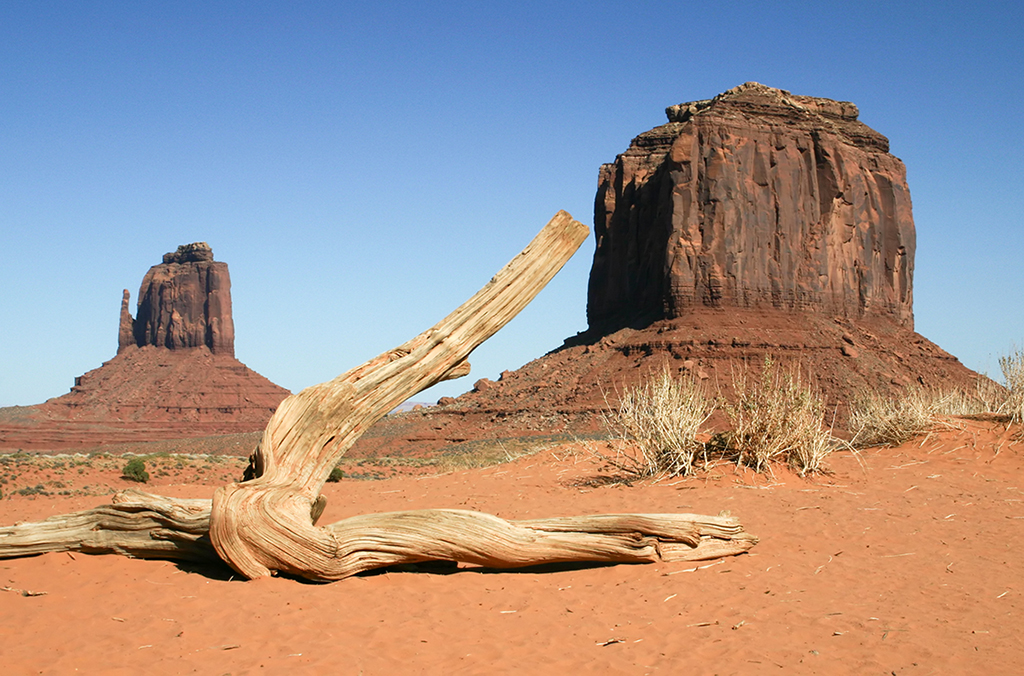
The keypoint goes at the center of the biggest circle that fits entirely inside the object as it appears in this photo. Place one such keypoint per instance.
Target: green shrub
(335, 476)
(135, 470)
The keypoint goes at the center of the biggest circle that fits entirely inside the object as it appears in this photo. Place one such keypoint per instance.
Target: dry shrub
(1012, 366)
(662, 417)
(990, 394)
(957, 402)
(777, 418)
(883, 421)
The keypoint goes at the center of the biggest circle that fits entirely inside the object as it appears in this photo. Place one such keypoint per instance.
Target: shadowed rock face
(757, 199)
(184, 302)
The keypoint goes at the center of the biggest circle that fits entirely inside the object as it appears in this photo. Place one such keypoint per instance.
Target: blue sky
(366, 167)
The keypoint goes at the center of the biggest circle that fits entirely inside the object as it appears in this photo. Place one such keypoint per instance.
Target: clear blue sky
(366, 167)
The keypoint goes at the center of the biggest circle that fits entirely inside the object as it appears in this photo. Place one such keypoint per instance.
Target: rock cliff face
(755, 198)
(184, 302)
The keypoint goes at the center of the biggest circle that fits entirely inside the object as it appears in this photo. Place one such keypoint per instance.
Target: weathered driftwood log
(152, 526)
(268, 523)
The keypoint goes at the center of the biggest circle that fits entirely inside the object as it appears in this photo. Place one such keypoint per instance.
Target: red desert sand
(903, 561)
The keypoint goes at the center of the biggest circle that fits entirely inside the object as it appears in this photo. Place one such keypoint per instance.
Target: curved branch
(263, 525)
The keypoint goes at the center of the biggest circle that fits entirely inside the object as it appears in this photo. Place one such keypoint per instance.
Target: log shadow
(221, 572)
(211, 570)
(548, 568)
(453, 568)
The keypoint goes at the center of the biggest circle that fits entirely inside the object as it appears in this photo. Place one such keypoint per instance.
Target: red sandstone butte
(754, 223)
(175, 374)
(755, 198)
(184, 302)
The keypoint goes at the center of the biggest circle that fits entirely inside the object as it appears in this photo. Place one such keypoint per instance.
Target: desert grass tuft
(777, 417)
(662, 419)
(891, 421)
(957, 402)
(990, 393)
(1012, 366)
(483, 453)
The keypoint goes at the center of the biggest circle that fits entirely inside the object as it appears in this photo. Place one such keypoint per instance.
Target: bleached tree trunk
(268, 523)
(151, 526)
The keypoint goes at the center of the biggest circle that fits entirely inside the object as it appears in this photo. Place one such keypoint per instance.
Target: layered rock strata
(755, 198)
(566, 393)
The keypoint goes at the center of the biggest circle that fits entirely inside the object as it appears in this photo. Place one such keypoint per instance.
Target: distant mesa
(755, 223)
(175, 374)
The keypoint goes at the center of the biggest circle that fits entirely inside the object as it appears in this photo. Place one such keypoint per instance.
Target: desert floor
(902, 561)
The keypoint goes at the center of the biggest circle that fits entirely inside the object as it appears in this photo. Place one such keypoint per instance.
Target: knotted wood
(267, 524)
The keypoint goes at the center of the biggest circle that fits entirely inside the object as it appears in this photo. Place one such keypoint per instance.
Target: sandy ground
(905, 561)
